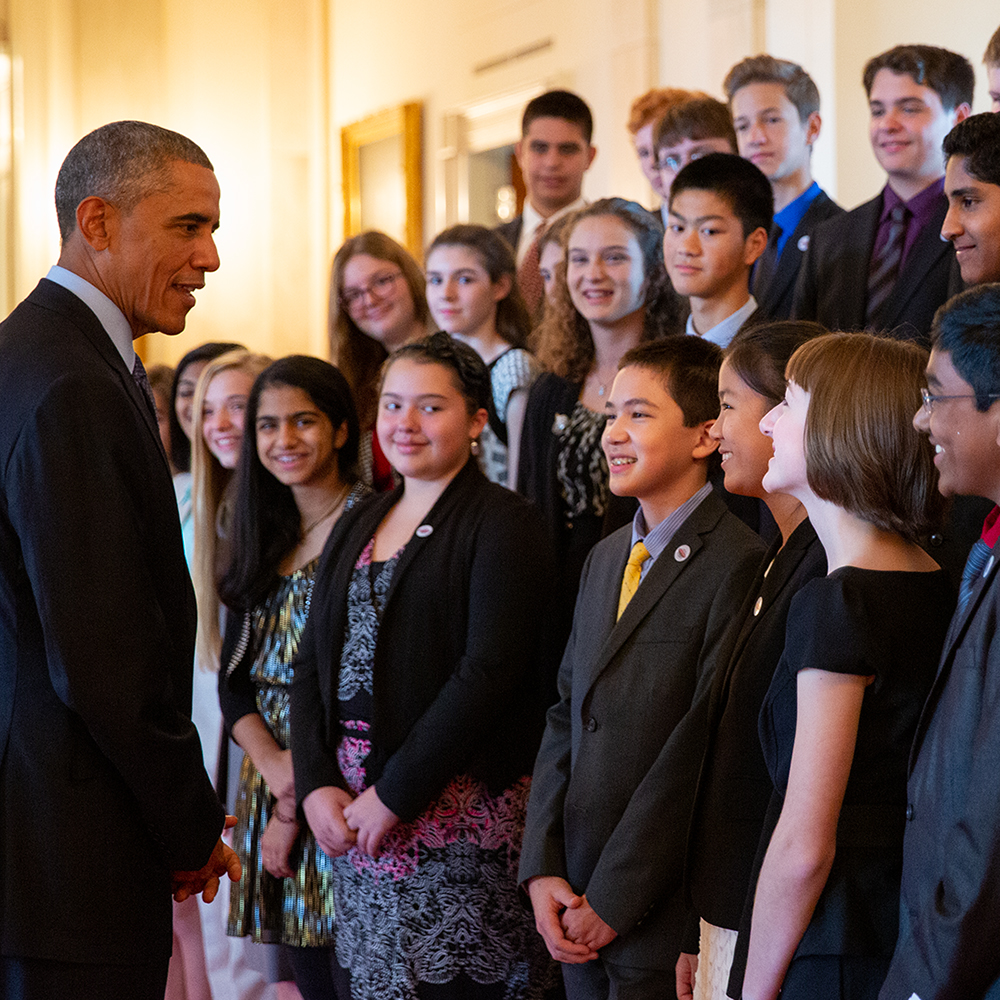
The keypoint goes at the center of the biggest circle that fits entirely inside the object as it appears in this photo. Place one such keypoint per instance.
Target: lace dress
(440, 904)
(296, 911)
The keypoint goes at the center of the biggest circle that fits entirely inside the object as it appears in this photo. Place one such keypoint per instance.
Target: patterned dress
(581, 468)
(296, 911)
(440, 904)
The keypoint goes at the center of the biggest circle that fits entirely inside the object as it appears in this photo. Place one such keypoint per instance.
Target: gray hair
(122, 162)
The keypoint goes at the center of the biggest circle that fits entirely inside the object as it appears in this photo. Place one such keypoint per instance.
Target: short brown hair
(862, 451)
(699, 118)
(948, 74)
(992, 54)
(689, 370)
(798, 84)
(654, 104)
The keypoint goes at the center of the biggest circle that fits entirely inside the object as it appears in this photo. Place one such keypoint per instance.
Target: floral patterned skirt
(441, 901)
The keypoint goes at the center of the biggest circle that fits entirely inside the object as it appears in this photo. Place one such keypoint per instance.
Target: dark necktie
(763, 273)
(979, 556)
(142, 381)
(884, 268)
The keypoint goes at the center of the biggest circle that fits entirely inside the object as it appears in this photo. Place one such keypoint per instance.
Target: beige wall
(248, 81)
(265, 88)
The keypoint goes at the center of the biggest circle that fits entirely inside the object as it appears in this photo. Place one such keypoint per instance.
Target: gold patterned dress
(296, 911)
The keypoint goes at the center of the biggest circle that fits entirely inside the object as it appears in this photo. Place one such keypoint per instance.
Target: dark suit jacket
(614, 780)
(457, 660)
(950, 907)
(511, 231)
(832, 286)
(774, 282)
(102, 787)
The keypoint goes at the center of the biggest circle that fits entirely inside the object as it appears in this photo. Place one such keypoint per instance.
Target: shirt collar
(791, 215)
(921, 205)
(991, 527)
(722, 333)
(108, 314)
(658, 538)
(531, 220)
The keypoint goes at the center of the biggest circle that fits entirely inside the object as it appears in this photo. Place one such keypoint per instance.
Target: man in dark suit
(775, 108)
(613, 784)
(105, 807)
(554, 153)
(950, 905)
(883, 266)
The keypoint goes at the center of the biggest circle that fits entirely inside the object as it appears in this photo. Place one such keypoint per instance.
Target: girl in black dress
(734, 787)
(861, 650)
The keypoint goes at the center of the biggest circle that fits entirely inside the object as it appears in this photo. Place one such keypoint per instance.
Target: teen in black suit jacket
(774, 277)
(832, 286)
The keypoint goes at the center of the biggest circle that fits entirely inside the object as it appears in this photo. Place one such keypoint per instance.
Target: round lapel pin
(424, 530)
(682, 552)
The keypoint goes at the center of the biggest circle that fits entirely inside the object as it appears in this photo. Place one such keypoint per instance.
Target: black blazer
(734, 787)
(832, 285)
(951, 851)
(774, 281)
(458, 657)
(101, 775)
(614, 780)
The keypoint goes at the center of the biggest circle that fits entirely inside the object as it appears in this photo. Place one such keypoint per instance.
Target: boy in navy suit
(614, 780)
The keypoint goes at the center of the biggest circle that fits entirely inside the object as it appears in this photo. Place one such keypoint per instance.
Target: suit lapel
(853, 267)
(52, 296)
(956, 634)
(787, 267)
(661, 576)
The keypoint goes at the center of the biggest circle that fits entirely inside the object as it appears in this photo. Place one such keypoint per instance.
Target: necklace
(319, 520)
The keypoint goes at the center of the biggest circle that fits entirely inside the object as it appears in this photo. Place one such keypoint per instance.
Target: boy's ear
(705, 444)
(755, 245)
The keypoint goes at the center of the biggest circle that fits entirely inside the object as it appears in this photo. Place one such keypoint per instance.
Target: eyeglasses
(929, 399)
(379, 285)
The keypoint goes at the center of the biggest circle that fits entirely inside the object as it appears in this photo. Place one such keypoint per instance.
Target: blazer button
(909, 810)
(591, 725)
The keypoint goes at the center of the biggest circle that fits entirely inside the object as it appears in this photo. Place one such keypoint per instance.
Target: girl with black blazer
(734, 788)
(415, 707)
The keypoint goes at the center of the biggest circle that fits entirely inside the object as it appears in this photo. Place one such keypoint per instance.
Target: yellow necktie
(632, 575)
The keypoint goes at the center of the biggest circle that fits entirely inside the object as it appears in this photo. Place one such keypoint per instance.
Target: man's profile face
(553, 155)
(158, 254)
(972, 223)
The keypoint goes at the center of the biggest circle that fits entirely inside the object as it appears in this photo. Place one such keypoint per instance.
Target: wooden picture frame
(382, 173)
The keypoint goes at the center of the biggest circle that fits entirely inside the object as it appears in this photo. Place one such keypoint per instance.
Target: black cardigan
(460, 656)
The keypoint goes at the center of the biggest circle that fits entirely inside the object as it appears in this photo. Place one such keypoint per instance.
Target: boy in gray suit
(614, 780)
